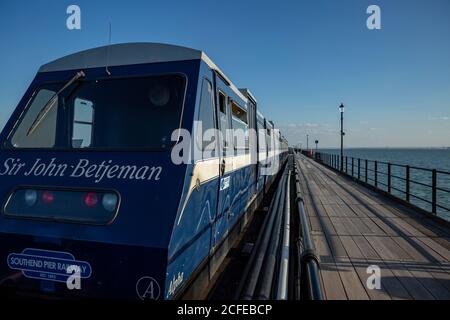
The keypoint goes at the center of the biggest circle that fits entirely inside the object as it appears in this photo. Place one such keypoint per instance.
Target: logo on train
(148, 288)
(48, 265)
(175, 283)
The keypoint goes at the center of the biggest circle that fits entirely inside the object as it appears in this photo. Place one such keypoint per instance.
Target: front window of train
(122, 113)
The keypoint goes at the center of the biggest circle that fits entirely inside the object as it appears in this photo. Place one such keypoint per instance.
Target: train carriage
(93, 202)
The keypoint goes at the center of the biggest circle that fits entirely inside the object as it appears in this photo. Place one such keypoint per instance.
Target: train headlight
(109, 201)
(30, 197)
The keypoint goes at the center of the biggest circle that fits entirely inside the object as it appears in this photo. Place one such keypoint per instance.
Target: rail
(283, 264)
(395, 179)
(308, 273)
(260, 279)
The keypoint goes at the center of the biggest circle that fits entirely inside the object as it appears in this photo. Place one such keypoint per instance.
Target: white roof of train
(136, 53)
(129, 54)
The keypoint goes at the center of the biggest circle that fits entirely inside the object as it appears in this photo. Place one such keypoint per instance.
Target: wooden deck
(354, 227)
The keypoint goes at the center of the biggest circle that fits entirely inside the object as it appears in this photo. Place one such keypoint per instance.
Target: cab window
(206, 119)
(44, 135)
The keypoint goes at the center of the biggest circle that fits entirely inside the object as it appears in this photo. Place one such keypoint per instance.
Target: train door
(261, 152)
(253, 143)
(219, 246)
(268, 177)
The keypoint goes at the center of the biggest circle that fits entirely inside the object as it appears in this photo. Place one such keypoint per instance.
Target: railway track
(275, 258)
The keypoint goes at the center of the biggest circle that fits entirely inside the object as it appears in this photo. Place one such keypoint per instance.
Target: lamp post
(341, 109)
(307, 142)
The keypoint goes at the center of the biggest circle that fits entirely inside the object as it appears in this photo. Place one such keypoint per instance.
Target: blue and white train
(93, 204)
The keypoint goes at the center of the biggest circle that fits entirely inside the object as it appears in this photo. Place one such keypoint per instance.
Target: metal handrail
(359, 169)
(309, 259)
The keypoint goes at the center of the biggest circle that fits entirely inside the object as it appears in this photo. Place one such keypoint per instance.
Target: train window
(206, 117)
(83, 123)
(261, 135)
(45, 134)
(240, 121)
(269, 139)
(223, 118)
(130, 113)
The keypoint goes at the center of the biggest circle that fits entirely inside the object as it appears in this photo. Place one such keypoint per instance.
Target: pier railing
(421, 187)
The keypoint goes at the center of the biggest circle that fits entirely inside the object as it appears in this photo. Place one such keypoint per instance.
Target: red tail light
(90, 199)
(47, 197)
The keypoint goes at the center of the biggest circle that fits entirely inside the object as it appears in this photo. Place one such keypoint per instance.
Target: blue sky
(300, 58)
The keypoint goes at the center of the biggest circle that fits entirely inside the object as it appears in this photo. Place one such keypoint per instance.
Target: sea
(427, 158)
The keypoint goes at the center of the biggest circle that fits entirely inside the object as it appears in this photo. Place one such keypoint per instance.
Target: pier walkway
(354, 227)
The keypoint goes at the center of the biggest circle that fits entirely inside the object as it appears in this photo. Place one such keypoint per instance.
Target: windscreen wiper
(50, 103)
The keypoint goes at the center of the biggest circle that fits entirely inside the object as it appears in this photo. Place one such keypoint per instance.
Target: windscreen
(105, 114)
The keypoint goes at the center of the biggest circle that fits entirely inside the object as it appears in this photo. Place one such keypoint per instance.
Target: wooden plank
(414, 287)
(333, 287)
(327, 226)
(445, 242)
(362, 211)
(443, 252)
(416, 253)
(353, 251)
(381, 211)
(320, 210)
(315, 224)
(432, 285)
(442, 275)
(331, 210)
(387, 229)
(352, 284)
(365, 247)
(361, 266)
(380, 247)
(405, 227)
(363, 229)
(336, 247)
(345, 211)
(389, 281)
(351, 227)
(429, 253)
(425, 227)
(340, 226)
(373, 227)
(395, 249)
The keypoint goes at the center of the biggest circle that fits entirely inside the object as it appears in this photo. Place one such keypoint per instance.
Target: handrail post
(389, 177)
(359, 168)
(346, 164)
(353, 167)
(433, 198)
(376, 173)
(407, 183)
(366, 169)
